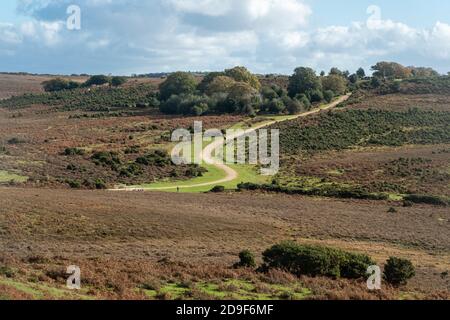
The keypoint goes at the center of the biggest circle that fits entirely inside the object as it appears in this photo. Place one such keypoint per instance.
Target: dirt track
(231, 174)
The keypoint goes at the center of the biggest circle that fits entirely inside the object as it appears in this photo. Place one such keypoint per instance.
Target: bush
(74, 184)
(246, 260)
(59, 84)
(218, 189)
(328, 96)
(100, 184)
(316, 261)
(434, 200)
(118, 81)
(15, 140)
(96, 80)
(315, 95)
(159, 158)
(73, 152)
(7, 272)
(398, 271)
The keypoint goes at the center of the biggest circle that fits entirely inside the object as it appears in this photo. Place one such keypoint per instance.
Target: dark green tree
(302, 81)
(177, 83)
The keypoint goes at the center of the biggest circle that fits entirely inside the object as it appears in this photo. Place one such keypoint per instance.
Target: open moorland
(368, 177)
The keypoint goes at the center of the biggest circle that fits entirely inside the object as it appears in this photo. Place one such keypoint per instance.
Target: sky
(267, 36)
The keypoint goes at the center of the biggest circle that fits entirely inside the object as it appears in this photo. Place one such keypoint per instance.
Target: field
(123, 241)
(358, 163)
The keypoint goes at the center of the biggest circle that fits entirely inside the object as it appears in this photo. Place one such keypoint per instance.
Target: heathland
(369, 177)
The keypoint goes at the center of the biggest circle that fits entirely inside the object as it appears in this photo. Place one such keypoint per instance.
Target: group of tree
(234, 90)
(304, 83)
(237, 90)
(392, 70)
(59, 84)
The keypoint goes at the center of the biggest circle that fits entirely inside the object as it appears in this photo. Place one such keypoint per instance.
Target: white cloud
(151, 35)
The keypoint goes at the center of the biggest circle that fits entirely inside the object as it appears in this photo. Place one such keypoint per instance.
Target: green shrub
(328, 96)
(246, 260)
(316, 261)
(15, 140)
(100, 185)
(159, 158)
(118, 81)
(7, 272)
(315, 96)
(434, 200)
(59, 84)
(74, 184)
(398, 271)
(106, 158)
(73, 152)
(97, 80)
(218, 189)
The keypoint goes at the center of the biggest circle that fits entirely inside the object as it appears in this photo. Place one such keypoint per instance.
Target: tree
(353, 78)
(420, 72)
(302, 81)
(335, 83)
(59, 84)
(203, 85)
(391, 70)
(336, 71)
(177, 83)
(241, 74)
(97, 80)
(241, 97)
(118, 81)
(315, 95)
(328, 95)
(220, 84)
(293, 106)
(361, 73)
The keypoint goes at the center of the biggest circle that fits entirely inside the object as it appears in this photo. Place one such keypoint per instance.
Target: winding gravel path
(231, 174)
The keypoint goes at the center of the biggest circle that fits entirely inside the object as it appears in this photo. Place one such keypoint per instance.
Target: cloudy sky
(268, 36)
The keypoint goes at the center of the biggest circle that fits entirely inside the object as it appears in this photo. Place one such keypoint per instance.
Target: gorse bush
(159, 158)
(59, 84)
(73, 152)
(332, 190)
(316, 261)
(398, 271)
(246, 260)
(427, 199)
(218, 189)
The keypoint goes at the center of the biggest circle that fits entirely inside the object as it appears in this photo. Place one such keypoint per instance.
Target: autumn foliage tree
(176, 84)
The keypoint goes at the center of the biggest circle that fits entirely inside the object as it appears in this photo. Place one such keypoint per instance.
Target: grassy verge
(6, 176)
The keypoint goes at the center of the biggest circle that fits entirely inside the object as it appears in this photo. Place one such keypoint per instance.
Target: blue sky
(268, 36)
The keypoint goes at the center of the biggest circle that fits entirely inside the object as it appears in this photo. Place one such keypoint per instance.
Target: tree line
(237, 90)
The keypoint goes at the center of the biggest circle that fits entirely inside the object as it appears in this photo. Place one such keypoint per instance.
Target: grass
(41, 291)
(6, 176)
(234, 289)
